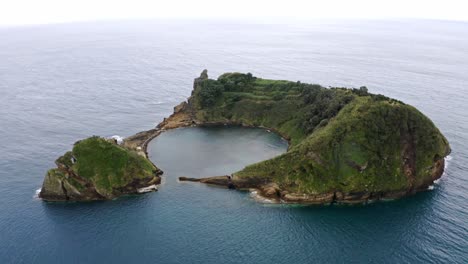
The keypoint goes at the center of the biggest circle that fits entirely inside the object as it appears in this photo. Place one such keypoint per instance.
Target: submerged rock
(98, 169)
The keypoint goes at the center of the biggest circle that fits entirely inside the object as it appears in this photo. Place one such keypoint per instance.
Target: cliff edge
(346, 145)
(98, 169)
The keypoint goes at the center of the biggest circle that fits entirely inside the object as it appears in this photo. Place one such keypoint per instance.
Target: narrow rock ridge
(273, 192)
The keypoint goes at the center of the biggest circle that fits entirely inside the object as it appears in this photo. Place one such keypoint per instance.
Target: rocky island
(346, 145)
(98, 169)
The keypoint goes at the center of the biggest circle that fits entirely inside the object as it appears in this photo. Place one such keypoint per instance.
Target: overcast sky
(18, 12)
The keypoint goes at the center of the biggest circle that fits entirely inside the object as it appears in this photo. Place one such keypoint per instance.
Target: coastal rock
(324, 198)
(98, 169)
(218, 180)
(225, 181)
(270, 190)
(215, 180)
(346, 145)
(198, 81)
(189, 179)
(180, 107)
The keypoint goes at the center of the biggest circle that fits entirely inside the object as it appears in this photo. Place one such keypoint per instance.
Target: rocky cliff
(98, 169)
(347, 145)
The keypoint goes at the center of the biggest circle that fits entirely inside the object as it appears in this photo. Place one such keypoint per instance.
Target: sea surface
(61, 83)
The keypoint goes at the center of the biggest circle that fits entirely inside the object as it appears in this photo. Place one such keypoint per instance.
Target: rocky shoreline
(267, 190)
(140, 140)
(187, 114)
(83, 173)
(271, 192)
(180, 118)
(184, 116)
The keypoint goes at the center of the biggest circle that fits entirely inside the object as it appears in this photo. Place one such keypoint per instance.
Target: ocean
(64, 82)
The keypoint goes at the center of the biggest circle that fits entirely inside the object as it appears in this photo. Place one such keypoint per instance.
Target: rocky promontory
(346, 145)
(99, 169)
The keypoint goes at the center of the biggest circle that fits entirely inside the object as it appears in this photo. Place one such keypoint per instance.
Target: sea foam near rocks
(257, 197)
(119, 139)
(36, 194)
(150, 188)
(447, 161)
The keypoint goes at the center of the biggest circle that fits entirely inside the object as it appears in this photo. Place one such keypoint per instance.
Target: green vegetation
(341, 139)
(97, 168)
(343, 142)
(109, 165)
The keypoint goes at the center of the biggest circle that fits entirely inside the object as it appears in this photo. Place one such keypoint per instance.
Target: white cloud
(14, 12)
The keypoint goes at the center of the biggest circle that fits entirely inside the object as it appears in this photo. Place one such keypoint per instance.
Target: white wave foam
(36, 194)
(447, 162)
(254, 194)
(118, 138)
(150, 188)
(430, 188)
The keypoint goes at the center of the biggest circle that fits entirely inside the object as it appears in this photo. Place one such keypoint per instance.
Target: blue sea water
(61, 83)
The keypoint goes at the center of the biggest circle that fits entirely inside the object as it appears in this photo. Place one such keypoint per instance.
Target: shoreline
(180, 119)
(185, 115)
(266, 191)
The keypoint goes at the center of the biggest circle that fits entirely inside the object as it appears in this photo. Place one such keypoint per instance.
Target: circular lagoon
(211, 151)
(193, 222)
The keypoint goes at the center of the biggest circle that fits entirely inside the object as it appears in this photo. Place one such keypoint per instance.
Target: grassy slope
(105, 164)
(275, 104)
(340, 139)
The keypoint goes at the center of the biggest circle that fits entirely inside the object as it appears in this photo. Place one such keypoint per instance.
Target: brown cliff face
(63, 184)
(59, 188)
(199, 80)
